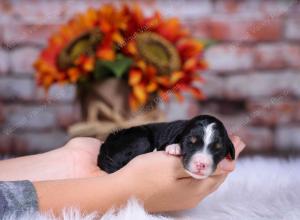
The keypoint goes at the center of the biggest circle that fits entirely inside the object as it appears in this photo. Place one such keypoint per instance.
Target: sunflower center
(159, 52)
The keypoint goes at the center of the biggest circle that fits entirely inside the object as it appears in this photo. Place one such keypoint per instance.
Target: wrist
(126, 181)
(59, 165)
(133, 184)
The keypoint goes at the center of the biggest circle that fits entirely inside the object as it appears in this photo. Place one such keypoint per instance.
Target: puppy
(202, 143)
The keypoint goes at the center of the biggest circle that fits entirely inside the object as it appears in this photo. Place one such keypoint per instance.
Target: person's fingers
(226, 165)
(205, 186)
(172, 163)
(177, 166)
(239, 145)
(215, 182)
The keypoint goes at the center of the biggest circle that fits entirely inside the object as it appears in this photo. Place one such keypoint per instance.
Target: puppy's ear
(230, 148)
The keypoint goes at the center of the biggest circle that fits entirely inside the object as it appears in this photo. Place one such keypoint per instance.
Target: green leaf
(119, 66)
(101, 71)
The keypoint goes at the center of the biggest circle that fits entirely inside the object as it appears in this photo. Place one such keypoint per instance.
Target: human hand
(77, 159)
(228, 165)
(160, 182)
(81, 154)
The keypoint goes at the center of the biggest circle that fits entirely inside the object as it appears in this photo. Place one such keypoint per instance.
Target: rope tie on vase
(115, 121)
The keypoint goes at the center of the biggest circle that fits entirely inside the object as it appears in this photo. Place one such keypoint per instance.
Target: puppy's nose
(201, 165)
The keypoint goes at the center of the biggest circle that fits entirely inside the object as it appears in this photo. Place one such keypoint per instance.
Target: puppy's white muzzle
(200, 165)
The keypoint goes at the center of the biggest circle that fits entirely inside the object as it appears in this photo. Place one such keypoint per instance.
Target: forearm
(92, 194)
(35, 167)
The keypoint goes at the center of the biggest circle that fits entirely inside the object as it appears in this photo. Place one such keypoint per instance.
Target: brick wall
(253, 83)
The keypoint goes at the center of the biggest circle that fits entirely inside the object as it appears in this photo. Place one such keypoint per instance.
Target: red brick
(56, 93)
(18, 33)
(5, 143)
(246, 29)
(230, 57)
(1, 32)
(67, 114)
(4, 62)
(20, 117)
(183, 10)
(39, 12)
(280, 55)
(198, 27)
(5, 6)
(287, 137)
(22, 60)
(5, 11)
(251, 8)
(232, 6)
(168, 8)
(295, 9)
(213, 86)
(272, 112)
(18, 148)
(175, 110)
(262, 84)
(270, 56)
(16, 89)
(37, 142)
(77, 6)
(233, 122)
(1, 113)
(256, 138)
(194, 108)
(190, 108)
(292, 30)
(292, 55)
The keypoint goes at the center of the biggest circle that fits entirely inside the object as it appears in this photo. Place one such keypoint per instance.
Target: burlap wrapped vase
(105, 109)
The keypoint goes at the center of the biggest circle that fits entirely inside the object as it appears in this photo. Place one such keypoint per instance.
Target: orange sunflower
(153, 54)
(179, 57)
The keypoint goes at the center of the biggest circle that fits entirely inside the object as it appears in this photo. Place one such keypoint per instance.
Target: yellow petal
(175, 76)
(117, 37)
(163, 81)
(140, 93)
(135, 77)
(131, 47)
(88, 65)
(151, 87)
(190, 64)
(141, 64)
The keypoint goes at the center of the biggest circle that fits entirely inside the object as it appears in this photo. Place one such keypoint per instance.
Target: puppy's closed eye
(218, 145)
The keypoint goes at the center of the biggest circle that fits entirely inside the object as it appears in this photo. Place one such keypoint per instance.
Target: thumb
(179, 171)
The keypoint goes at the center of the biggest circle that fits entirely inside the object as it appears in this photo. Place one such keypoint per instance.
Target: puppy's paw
(173, 149)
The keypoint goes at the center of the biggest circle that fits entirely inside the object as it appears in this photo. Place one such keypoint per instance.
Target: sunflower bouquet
(151, 54)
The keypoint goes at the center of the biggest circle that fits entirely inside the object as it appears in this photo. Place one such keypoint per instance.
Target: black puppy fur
(122, 146)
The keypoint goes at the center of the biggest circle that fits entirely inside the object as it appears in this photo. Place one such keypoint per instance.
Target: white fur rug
(259, 188)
